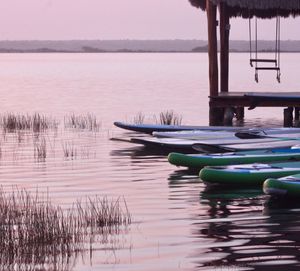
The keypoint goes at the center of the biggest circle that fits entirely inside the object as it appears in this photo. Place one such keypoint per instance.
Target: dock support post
(216, 116)
(211, 12)
(297, 115)
(224, 47)
(288, 117)
(228, 116)
(240, 113)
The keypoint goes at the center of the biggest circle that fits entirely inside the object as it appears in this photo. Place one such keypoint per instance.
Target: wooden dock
(235, 102)
(224, 104)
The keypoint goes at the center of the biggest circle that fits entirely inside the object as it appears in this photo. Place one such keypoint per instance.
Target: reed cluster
(40, 150)
(69, 150)
(84, 122)
(169, 117)
(33, 231)
(104, 214)
(37, 123)
(139, 118)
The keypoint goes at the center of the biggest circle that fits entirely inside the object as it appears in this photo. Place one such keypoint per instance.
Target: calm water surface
(178, 223)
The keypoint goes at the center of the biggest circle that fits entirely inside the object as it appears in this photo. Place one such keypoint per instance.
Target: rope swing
(254, 55)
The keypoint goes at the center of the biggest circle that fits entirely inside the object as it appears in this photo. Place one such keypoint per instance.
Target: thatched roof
(259, 8)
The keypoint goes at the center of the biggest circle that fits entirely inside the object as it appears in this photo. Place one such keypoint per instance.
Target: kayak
(198, 161)
(248, 174)
(276, 143)
(188, 144)
(150, 128)
(287, 186)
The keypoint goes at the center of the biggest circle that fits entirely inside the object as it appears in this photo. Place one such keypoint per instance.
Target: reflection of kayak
(150, 128)
(198, 161)
(221, 193)
(285, 186)
(248, 174)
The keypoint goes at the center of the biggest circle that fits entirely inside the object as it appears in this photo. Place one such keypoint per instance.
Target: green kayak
(249, 174)
(198, 161)
(288, 186)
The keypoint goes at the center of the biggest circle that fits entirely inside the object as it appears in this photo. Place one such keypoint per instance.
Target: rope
(250, 43)
(256, 73)
(278, 47)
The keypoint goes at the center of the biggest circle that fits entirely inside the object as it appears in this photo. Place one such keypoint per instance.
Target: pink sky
(116, 19)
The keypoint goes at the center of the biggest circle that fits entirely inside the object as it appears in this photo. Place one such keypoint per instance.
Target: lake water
(177, 223)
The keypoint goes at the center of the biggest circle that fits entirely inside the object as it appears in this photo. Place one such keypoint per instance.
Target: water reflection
(245, 230)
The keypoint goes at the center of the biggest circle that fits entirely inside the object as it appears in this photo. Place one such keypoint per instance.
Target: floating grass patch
(35, 233)
(11, 122)
(84, 122)
(169, 117)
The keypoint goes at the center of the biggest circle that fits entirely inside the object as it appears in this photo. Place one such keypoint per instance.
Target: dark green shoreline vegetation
(34, 232)
(136, 46)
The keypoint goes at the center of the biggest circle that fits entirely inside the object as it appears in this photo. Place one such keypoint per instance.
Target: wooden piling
(224, 47)
(288, 117)
(240, 113)
(211, 12)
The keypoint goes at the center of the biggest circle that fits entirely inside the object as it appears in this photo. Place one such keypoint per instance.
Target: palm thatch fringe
(262, 4)
(258, 8)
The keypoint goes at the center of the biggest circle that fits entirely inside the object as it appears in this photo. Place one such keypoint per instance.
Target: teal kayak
(248, 174)
(198, 161)
(288, 186)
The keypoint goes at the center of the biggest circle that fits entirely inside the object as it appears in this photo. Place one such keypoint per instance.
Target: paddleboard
(195, 134)
(288, 186)
(244, 133)
(198, 161)
(277, 132)
(188, 145)
(150, 128)
(274, 144)
(248, 174)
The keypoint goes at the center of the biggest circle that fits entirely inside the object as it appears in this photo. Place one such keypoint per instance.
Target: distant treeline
(135, 46)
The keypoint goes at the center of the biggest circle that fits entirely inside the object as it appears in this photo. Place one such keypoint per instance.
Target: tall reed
(169, 117)
(11, 122)
(139, 118)
(69, 150)
(40, 150)
(34, 232)
(84, 122)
